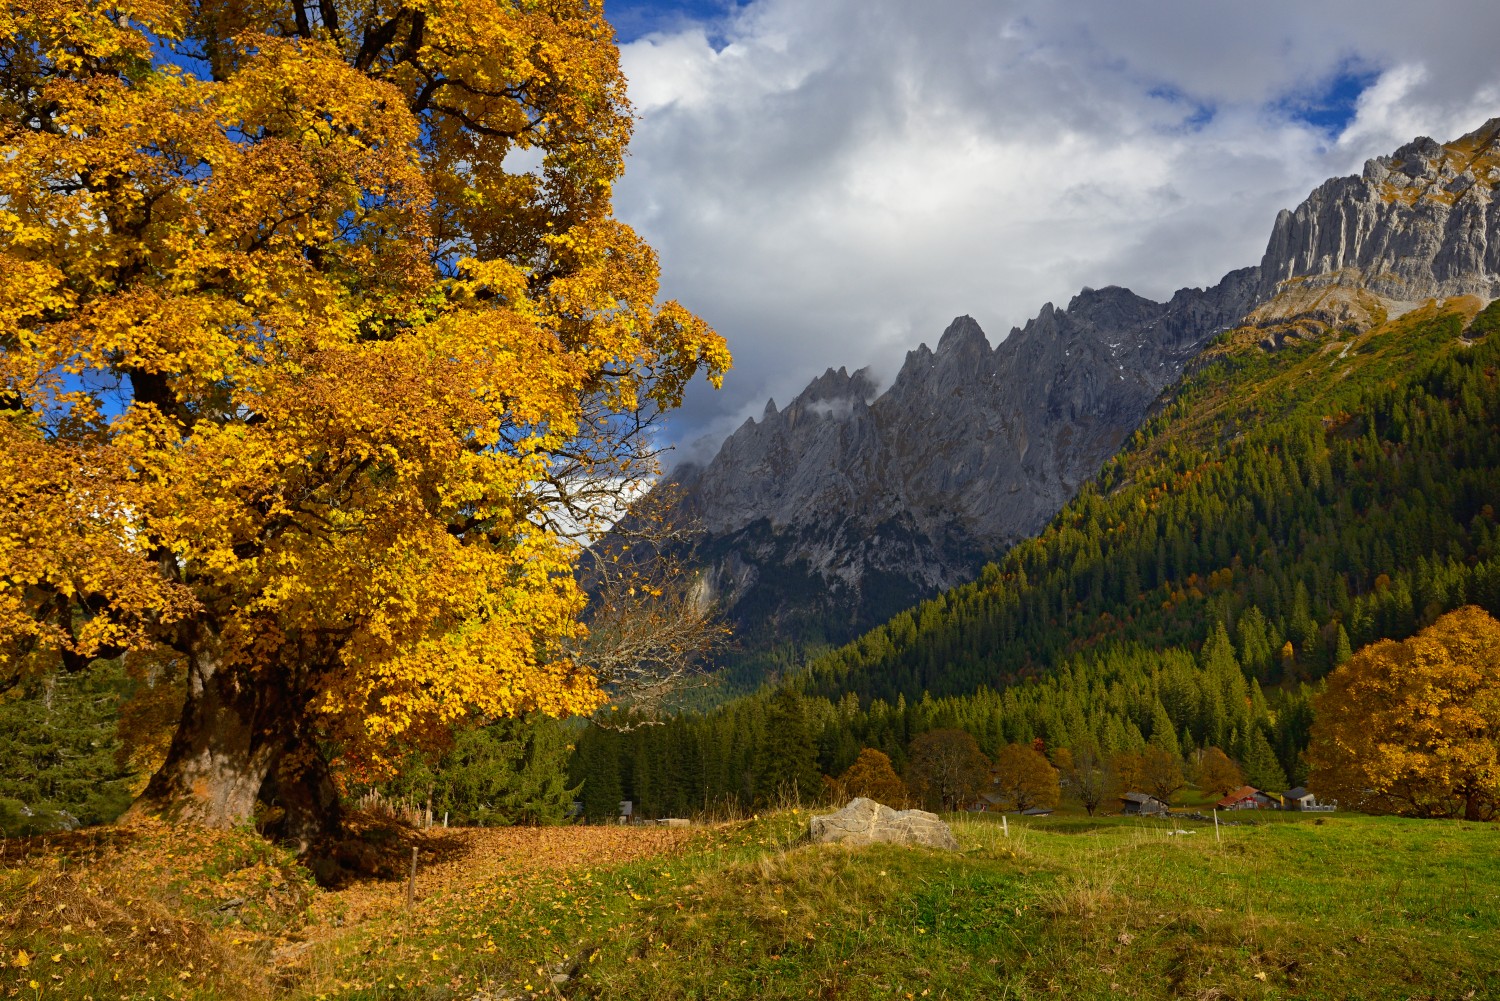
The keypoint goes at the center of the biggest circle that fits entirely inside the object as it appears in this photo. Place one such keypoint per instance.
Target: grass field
(1339, 906)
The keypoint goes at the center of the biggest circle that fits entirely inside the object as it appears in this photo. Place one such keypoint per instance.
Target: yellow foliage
(292, 361)
(1414, 727)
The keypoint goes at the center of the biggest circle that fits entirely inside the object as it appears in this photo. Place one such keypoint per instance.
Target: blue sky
(635, 18)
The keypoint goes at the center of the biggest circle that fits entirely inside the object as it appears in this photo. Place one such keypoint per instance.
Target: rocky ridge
(849, 504)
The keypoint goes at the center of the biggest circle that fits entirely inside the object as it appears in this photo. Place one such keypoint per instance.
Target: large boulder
(865, 822)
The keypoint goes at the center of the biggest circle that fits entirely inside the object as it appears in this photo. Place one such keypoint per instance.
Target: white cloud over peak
(829, 182)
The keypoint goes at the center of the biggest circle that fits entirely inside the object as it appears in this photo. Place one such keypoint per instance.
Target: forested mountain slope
(833, 513)
(1337, 484)
(1325, 474)
(1288, 506)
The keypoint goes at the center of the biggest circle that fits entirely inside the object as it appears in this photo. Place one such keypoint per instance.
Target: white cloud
(837, 179)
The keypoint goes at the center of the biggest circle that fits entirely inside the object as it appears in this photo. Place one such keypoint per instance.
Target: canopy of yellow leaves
(288, 351)
(1414, 727)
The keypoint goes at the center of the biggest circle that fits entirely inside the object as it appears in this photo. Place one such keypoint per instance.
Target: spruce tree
(1162, 734)
(1341, 649)
(598, 769)
(60, 761)
(1262, 769)
(786, 769)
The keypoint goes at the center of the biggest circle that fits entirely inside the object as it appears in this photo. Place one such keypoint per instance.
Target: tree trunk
(1474, 807)
(233, 731)
(302, 786)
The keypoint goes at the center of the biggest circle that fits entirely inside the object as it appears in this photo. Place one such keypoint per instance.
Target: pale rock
(865, 822)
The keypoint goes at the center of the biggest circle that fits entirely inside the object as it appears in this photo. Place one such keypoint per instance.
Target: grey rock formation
(849, 505)
(1421, 223)
(834, 513)
(866, 822)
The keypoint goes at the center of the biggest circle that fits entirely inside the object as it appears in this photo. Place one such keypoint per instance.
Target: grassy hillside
(1344, 906)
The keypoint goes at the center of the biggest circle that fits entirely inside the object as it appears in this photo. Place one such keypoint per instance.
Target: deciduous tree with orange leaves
(1025, 778)
(1414, 727)
(871, 776)
(320, 346)
(1217, 774)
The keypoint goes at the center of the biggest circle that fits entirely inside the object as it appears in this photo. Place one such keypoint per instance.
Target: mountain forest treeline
(1285, 508)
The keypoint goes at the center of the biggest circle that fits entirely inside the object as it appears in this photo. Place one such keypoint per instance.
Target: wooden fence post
(411, 884)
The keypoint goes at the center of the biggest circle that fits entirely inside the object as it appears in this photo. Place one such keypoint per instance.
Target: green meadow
(1337, 906)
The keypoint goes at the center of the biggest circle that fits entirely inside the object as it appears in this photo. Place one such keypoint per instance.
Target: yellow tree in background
(1024, 778)
(1414, 727)
(320, 343)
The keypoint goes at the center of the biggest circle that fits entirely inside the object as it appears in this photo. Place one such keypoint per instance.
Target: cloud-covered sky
(830, 182)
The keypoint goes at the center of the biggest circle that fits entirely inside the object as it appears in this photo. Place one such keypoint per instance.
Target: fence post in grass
(445, 819)
(1216, 823)
(411, 884)
(1004, 826)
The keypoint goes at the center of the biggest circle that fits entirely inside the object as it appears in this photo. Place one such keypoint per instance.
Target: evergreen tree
(1341, 648)
(60, 760)
(787, 769)
(597, 769)
(1262, 769)
(1162, 734)
(513, 771)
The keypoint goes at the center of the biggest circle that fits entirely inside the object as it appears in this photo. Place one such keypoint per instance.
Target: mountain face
(850, 504)
(1419, 224)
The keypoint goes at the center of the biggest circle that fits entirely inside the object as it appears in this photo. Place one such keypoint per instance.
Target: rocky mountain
(1419, 224)
(849, 504)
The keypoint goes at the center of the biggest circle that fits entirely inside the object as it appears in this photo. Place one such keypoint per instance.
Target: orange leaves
(1414, 727)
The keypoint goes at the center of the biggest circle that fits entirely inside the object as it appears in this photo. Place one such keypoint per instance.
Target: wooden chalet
(988, 802)
(1303, 800)
(1248, 798)
(1140, 804)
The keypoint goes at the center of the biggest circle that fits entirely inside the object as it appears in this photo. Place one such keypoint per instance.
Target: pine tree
(598, 769)
(1341, 648)
(513, 771)
(60, 761)
(1162, 734)
(786, 769)
(1262, 769)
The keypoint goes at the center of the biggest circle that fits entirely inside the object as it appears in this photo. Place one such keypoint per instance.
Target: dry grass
(119, 912)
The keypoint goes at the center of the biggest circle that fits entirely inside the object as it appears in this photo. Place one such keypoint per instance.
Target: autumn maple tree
(320, 346)
(1218, 774)
(872, 776)
(1025, 778)
(946, 770)
(1413, 727)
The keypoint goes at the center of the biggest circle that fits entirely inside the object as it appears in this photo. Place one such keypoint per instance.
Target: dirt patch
(448, 858)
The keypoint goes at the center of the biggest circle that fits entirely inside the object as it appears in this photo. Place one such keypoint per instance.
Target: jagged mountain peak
(852, 503)
(839, 384)
(1418, 224)
(1425, 169)
(964, 332)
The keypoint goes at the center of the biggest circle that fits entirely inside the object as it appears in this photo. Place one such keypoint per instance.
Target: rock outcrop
(1419, 224)
(866, 822)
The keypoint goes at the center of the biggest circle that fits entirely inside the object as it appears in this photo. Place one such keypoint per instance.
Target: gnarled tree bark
(233, 731)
